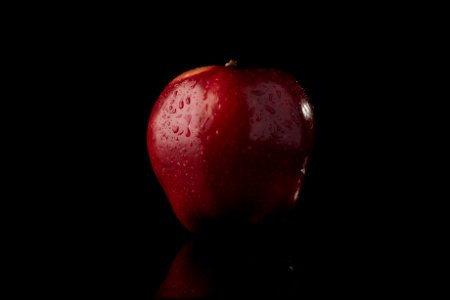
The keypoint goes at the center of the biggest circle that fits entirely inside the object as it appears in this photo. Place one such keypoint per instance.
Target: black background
(109, 228)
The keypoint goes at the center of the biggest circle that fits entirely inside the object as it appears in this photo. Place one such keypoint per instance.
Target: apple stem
(231, 63)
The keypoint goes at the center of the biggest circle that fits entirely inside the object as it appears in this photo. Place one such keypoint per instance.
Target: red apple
(230, 145)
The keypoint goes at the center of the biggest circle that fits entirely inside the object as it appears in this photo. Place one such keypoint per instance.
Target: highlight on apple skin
(230, 146)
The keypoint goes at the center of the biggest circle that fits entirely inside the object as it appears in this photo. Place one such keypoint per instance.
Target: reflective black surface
(129, 237)
(109, 229)
(247, 264)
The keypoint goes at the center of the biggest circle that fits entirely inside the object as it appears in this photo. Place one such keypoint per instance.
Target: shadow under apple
(251, 262)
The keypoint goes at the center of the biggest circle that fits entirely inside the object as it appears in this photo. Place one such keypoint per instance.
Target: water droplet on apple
(204, 123)
(270, 109)
(278, 94)
(220, 106)
(257, 92)
(188, 100)
(181, 104)
(305, 162)
(172, 109)
(188, 133)
(217, 132)
(208, 137)
(188, 118)
(175, 129)
(288, 124)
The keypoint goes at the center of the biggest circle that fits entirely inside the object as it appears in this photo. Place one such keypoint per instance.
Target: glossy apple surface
(230, 145)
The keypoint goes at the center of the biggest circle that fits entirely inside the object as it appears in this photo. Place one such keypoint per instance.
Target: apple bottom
(245, 194)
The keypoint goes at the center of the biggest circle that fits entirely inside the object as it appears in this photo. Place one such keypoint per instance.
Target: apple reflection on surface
(205, 268)
(187, 277)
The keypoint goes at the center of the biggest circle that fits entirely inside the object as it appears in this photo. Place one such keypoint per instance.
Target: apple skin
(230, 145)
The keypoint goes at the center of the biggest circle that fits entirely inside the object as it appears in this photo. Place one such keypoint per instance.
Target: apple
(230, 146)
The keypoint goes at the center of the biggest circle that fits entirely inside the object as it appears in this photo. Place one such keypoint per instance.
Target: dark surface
(134, 233)
(109, 225)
